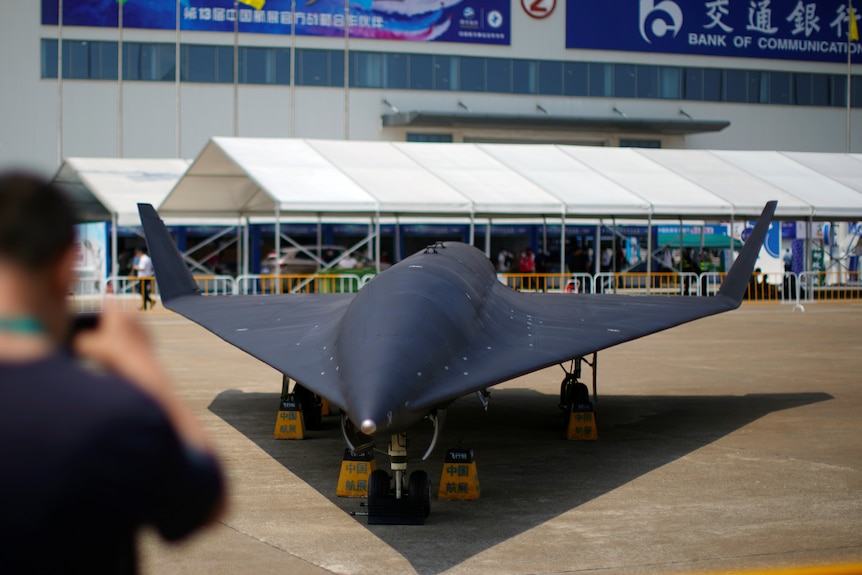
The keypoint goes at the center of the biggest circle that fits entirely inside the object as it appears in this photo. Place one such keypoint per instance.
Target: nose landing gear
(389, 502)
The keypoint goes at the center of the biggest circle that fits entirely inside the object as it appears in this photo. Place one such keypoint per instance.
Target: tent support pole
(240, 240)
(277, 246)
(544, 234)
(245, 247)
(597, 249)
(396, 257)
(563, 243)
(377, 241)
(115, 260)
(472, 229)
(488, 239)
(649, 253)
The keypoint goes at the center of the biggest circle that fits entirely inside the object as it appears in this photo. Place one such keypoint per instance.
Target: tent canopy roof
(260, 177)
(103, 187)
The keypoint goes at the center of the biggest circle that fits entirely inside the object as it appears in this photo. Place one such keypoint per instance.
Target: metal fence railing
(300, 283)
(786, 288)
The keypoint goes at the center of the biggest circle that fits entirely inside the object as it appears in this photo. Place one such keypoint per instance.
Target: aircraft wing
(523, 333)
(279, 330)
(518, 333)
(287, 332)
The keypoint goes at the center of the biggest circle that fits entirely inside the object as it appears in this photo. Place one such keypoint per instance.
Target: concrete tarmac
(731, 443)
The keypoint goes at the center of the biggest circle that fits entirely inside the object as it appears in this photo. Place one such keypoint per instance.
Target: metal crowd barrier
(785, 288)
(829, 286)
(256, 284)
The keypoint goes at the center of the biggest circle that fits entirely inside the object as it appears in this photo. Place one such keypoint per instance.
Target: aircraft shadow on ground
(528, 473)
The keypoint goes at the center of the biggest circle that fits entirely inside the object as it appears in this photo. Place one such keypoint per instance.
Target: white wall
(28, 104)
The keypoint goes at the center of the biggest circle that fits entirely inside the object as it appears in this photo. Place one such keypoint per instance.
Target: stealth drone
(434, 327)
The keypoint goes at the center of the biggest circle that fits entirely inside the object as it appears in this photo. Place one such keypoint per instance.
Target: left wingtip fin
(735, 284)
(173, 276)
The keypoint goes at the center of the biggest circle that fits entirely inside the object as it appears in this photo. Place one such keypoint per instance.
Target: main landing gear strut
(575, 400)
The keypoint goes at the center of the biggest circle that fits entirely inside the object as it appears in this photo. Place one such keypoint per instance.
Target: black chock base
(356, 468)
(289, 422)
(582, 423)
(460, 479)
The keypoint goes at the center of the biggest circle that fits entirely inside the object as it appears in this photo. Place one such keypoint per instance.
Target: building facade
(159, 78)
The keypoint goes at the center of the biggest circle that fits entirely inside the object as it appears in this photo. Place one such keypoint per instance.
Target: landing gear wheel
(378, 486)
(310, 405)
(419, 489)
(573, 393)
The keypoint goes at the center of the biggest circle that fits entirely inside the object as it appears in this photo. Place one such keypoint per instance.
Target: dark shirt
(85, 460)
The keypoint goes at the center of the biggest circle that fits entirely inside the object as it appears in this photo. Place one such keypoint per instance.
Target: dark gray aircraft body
(434, 327)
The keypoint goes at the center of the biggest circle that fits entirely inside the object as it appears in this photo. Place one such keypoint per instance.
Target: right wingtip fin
(735, 284)
(172, 275)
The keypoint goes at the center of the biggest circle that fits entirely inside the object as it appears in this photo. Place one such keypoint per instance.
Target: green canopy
(710, 241)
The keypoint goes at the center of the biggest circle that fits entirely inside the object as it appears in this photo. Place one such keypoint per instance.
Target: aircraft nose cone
(368, 427)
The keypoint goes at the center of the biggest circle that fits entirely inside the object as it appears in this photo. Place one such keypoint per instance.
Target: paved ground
(731, 443)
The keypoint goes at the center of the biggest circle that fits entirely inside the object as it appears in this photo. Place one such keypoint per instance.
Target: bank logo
(469, 13)
(658, 20)
(495, 19)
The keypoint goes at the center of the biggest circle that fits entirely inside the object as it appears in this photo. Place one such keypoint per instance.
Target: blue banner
(471, 21)
(786, 29)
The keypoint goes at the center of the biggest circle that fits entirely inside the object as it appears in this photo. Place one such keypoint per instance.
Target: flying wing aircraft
(434, 327)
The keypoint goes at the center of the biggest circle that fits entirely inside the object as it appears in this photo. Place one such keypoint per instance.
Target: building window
(600, 80)
(712, 85)
(692, 84)
(551, 78)
(156, 62)
(670, 83)
(82, 59)
(206, 64)
(624, 81)
(256, 66)
(839, 91)
(366, 70)
(576, 79)
(149, 62)
(735, 84)
(313, 67)
(472, 74)
(417, 137)
(421, 72)
(499, 75)
(820, 90)
(396, 71)
(634, 143)
(524, 76)
(49, 58)
(446, 73)
(647, 81)
(779, 88)
(757, 87)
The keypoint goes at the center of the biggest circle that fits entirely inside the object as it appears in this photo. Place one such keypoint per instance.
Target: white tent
(259, 176)
(273, 177)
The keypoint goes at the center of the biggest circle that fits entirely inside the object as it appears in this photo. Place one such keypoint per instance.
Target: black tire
(378, 486)
(419, 488)
(310, 406)
(580, 394)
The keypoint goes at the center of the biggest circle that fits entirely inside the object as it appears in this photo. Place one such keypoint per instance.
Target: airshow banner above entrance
(470, 21)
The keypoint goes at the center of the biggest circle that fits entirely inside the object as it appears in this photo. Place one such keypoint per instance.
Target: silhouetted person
(93, 444)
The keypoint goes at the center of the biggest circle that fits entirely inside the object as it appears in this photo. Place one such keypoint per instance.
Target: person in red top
(94, 441)
(527, 262)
